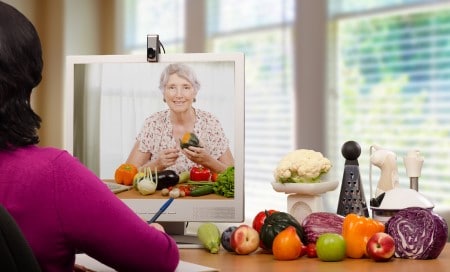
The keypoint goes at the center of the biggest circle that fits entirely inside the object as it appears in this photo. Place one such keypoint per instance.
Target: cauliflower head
(302, 165)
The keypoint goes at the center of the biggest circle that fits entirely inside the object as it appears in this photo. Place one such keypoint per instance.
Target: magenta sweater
(61, 206)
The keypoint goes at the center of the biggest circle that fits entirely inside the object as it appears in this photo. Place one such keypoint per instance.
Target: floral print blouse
(156, 135)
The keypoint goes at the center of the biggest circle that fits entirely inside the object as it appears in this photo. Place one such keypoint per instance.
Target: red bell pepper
(199, 173)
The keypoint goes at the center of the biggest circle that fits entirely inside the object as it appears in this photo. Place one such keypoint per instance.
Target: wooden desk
(134, 194)
(261, 262)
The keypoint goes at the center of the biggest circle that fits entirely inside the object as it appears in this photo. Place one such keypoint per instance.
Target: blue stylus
(161, 210)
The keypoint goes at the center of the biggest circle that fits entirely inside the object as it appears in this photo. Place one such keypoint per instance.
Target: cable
(161, 46)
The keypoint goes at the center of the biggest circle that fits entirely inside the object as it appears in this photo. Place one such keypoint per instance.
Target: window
(262, 30)
(393, 89)
(166, 18)
(389, 77)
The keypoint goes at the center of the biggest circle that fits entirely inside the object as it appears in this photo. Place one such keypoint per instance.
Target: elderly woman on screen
(158, 143)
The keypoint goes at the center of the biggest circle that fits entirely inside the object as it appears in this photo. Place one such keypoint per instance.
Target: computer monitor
(108, 97)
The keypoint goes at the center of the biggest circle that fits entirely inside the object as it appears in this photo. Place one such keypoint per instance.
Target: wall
(78, 27)
(310, 71)
(66, 28)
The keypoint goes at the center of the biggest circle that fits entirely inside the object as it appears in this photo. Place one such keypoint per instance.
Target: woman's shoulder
(205, 115)
(157, 116)
(48, 158)
(44, 153)
(156, 122)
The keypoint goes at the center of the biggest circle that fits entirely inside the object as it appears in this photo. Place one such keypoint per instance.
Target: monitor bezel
(175, 212)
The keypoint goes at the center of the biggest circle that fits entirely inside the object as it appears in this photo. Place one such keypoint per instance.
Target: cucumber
(203, 190)
(209, 235)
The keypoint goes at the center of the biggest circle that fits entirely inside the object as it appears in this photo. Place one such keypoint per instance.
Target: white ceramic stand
(304, 198)
(301, 206)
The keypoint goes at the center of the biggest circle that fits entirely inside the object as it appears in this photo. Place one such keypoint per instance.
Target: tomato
(311, 250)
(214, 176)
(258, 222)
(304, 250)
(187, 192)
(259, 219)
(186, 189)
(199, 174)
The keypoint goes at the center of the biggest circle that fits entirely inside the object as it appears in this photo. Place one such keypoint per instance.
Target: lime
(330, 247)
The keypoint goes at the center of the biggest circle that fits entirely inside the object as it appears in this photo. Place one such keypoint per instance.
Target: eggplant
(166, 178)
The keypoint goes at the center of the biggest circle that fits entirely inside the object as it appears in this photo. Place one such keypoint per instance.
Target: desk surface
(134, 194)
(258, 261)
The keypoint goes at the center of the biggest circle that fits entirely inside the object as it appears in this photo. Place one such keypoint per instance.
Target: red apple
(244, 240)
(380, 247)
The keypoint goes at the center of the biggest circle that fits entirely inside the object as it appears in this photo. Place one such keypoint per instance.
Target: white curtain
(86, 115)
(119, 96)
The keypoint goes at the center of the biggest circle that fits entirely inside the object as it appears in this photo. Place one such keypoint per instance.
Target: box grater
(351, 198)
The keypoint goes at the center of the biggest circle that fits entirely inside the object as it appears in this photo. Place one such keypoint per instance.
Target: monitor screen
(107, 99)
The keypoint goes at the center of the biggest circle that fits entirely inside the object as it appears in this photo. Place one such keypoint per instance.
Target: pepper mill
(351, 198)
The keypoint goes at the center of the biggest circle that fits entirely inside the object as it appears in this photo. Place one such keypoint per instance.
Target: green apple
(330, 247)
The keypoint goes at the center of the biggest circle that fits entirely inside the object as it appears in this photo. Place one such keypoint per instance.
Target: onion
(418, 233)
(317, 223)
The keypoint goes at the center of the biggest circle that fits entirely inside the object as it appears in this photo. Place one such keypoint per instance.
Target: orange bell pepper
(357, 231)
(125, 174)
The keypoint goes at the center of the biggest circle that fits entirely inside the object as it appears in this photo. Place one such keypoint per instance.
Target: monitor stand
(177, 230)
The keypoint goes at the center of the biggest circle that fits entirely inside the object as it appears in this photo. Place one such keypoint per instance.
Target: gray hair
(181, 70)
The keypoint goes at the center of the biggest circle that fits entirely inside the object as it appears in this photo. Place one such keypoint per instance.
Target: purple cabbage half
(317, 223)
(418, 233)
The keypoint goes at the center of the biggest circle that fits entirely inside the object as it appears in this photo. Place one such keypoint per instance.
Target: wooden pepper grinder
(351, 198)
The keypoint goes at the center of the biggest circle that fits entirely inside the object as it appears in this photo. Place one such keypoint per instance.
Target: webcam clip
(153, 50)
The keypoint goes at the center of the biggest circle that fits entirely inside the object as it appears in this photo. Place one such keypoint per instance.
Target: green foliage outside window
(395, 92)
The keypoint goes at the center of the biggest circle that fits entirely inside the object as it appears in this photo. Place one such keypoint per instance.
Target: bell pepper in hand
(356, 231)
(200, 174)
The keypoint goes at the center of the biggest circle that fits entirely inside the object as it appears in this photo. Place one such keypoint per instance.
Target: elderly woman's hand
(168, 157)
(196, 154)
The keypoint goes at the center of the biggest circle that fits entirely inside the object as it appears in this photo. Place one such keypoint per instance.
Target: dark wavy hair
(20, 71)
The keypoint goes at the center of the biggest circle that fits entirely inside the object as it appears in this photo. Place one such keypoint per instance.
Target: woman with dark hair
(60, 206)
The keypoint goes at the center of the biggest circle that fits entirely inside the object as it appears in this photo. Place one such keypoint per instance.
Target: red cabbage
(317, 223)
(418, 233)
